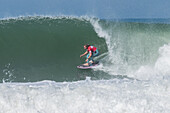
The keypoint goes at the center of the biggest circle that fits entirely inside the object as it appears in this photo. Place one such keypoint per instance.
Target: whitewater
(133, 75)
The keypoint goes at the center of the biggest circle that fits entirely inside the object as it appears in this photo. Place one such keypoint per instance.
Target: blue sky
(99, 8)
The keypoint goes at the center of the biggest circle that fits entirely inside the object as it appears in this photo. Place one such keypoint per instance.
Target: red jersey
(91, 49)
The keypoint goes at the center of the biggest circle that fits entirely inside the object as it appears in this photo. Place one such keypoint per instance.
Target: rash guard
(91, 49)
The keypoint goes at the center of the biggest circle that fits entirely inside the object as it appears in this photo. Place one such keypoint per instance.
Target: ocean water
(39, 55)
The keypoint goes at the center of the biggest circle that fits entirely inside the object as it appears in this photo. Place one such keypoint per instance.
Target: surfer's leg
(87, 57)
(90, 60)
(95, 53)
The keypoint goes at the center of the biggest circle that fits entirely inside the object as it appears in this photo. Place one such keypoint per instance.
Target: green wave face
(41, 48)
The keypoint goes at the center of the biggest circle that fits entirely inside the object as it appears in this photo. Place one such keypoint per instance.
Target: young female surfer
(91, 52)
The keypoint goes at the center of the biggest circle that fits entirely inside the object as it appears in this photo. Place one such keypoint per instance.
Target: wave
(134, 66)
(85, 96)
(38, 48)
(132, 46)
(45, 47)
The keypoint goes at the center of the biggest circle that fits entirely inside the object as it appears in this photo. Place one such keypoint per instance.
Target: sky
(108, 9)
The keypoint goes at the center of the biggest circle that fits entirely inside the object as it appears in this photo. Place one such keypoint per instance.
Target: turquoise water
(39, 55)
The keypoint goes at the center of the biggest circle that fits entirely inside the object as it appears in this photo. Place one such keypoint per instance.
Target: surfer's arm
(84, 54)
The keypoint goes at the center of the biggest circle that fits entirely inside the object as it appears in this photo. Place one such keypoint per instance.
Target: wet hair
(87, 45)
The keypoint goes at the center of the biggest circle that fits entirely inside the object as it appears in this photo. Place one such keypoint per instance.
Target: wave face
(133, 75)
(40, 48)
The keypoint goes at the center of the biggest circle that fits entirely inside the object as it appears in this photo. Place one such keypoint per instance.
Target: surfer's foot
(90, 63)
(86, 64)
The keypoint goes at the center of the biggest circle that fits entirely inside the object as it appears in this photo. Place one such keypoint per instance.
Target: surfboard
(96, 63)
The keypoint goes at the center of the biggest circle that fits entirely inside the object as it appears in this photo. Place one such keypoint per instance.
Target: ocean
(39, 58)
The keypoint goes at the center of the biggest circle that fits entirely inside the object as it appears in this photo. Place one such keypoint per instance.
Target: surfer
(91, 52)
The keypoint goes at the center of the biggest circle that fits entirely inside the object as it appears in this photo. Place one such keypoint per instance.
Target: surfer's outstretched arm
(84, 54)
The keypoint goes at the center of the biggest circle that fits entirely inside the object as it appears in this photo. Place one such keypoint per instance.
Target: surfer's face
(85, 47)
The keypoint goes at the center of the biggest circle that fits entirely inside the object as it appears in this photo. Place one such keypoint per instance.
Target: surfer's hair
(87, 45)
